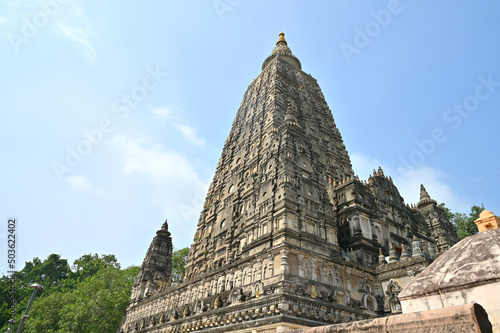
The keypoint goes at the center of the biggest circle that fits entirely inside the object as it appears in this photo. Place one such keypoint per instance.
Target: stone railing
(462, 318)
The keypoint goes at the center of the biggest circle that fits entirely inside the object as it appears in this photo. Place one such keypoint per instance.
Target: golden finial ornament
(282, 38)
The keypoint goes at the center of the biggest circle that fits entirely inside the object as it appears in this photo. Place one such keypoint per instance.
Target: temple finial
(281, 39)
(283, 51)
(164, 229)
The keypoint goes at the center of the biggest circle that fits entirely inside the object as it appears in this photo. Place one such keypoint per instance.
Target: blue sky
(114, 114)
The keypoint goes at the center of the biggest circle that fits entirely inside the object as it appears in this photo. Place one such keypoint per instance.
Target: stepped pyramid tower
(288, 236)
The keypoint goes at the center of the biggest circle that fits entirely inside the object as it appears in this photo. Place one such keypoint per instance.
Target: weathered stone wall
(465, 318)
(486, 295)
(468, 272)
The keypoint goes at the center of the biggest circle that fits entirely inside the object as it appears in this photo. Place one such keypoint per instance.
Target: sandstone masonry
(289, 237)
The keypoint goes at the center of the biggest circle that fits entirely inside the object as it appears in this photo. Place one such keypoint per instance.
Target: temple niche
(289, 236)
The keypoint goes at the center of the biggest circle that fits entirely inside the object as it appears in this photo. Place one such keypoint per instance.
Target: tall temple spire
(270, 236)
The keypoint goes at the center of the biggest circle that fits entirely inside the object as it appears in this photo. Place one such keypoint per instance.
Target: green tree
(100, 301)
(5, 297)
(46, 314)
(51, 273)
(88, 264)
(464, 224)
(64, 290)
(179, 259)
(96, 304)
(447, 211)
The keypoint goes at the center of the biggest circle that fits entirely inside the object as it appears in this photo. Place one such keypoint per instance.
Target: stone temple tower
(288, 236)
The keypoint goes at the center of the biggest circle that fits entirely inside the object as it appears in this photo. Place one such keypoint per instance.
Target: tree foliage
(91, 297)
(88, 264)
(179, 259)
(464, 224)
(96, 305)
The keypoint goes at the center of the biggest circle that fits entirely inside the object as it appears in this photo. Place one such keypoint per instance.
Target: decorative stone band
(275, 309)
(462, 318)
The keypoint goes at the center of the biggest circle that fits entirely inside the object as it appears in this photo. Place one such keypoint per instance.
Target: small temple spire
(156, 269)
(381, 257)
(392, 254)
(423, 193)
(425, 198)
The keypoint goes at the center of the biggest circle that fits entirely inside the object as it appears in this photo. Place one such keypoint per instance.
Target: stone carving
(417, 247)
(391, 301)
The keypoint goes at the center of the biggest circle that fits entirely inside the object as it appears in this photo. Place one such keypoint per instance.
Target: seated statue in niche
(313, 291)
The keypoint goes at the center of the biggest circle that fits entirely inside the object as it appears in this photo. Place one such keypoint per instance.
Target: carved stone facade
(288, 236)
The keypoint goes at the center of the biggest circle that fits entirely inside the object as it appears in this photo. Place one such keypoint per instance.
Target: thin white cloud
(176, 186)
(76, 35)
(152, 160)
(172, 113)
(190, 135)
(165, 112)
(363, 165)
(434, 180)
(80, 184)
(436, 184)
